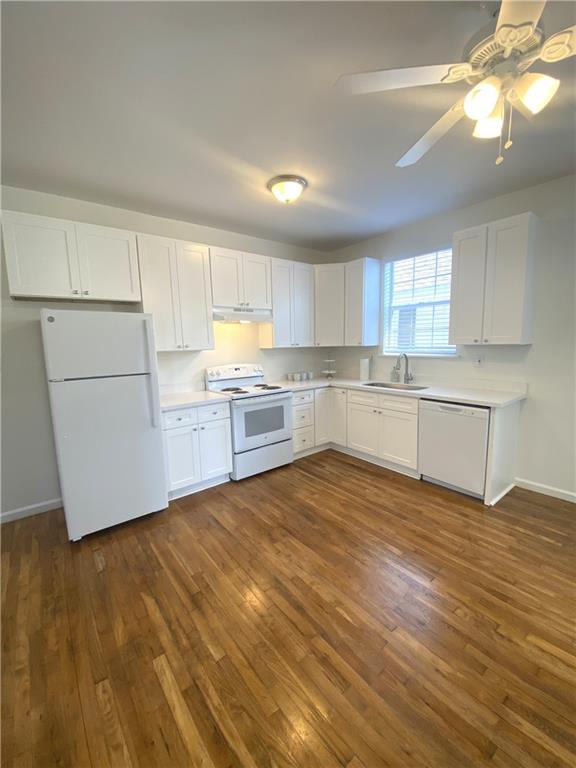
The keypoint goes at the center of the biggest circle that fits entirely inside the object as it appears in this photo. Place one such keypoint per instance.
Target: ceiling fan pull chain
(500, 158)
(509, 142)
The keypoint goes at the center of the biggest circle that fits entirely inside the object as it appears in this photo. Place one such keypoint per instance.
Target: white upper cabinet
(491, 278)
(108, 263)
(240, 279)
(60, 259)
(193, 269)
(362, 304)
(176, 291)
(257, 286)
(507, 299)
(467, 295)
(303, 304)
(329, 305)
(292, 306)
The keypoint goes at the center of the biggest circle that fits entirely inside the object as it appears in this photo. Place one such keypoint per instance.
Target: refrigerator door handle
(153, 374)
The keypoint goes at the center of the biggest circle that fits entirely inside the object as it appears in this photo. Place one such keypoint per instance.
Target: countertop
(487, 397)
(169, 402)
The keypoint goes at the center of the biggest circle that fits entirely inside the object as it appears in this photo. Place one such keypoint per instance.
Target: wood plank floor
(329, 613)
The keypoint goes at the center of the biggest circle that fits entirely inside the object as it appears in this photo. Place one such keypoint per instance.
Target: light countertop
(169, 402)
(470, 396)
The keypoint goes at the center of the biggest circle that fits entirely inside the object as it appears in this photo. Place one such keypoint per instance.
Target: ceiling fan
(496, 68)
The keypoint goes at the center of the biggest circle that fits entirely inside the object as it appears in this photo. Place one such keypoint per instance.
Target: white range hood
(241, 315)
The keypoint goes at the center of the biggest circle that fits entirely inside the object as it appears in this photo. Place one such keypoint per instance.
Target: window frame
(453, 355)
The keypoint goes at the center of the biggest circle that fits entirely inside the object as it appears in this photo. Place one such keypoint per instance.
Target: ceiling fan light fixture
(491, 127)
(287, 188)
(536, 91)
(481, 100)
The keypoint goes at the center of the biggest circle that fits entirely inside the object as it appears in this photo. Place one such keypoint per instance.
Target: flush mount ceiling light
(287, 188)
(496, 70)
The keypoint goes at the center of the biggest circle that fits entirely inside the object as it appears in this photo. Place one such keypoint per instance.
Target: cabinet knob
(85, 293)
(202, 427)
(179, 418)
(475, 341)
(247, 304)
(374, 410)
(185, 346)
(76, 291)
(195, 429)
(485, 341)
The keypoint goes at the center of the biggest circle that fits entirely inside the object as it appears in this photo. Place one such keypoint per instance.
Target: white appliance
(261, 418)
(453, 444)
(102, 379)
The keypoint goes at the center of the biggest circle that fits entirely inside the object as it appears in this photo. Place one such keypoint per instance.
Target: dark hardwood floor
(325, 614)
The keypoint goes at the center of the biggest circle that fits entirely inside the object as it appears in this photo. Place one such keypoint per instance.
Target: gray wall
(546, 451)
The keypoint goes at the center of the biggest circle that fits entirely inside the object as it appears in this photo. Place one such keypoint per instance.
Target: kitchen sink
(386, 385)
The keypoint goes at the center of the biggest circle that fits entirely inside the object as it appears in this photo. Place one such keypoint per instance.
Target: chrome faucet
(397, 366)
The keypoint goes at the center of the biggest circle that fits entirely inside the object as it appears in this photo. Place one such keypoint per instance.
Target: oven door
(262, 420)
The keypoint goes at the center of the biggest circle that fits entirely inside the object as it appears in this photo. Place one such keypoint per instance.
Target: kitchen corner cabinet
(329, 305)
(176, 292)
(292, 306)
(362, 304)
(491, 282)
(330, 416)
(240, 279)
(58, 259)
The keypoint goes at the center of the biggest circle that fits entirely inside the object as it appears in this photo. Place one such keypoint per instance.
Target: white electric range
(261, 418)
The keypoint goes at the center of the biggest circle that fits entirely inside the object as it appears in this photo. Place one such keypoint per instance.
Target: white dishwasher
(452, 445)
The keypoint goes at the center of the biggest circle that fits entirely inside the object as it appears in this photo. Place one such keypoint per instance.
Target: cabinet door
(41, 256)
(398, 438)
(215, 448)
(354, 325)
(323, 416)
(467, 295)
(256, 277)
(108, 263)
(338, 416)
(193, 266)
(227, 280)
(363, 428)
(182, 457)
(303, 305)
(508, 266)
(160, 290)
(329, 309)
(282, 302)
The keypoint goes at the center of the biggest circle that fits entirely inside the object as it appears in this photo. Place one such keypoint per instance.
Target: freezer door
(110, 452)
(89, 344)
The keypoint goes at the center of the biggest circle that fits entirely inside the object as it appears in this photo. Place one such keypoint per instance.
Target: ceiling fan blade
(516, 22)
(392, 79)
(559, 46)
(442, 126)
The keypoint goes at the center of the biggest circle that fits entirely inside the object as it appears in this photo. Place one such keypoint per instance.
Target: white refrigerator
(103, 384)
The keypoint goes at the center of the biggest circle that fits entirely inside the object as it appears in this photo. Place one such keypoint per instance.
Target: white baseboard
(32, 509)
(548, 490)
(310, 451)
(496, 499)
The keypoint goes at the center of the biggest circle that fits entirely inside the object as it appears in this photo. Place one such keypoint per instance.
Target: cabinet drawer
(213, 412)
(303, 438)
(402, 404)
(298, 398)
(179, 418)
(303, 416)
(362, 398)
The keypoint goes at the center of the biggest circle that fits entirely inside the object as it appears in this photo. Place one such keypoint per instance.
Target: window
(417, 304)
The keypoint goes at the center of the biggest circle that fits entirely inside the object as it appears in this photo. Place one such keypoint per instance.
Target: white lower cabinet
(303, 418)
(330, 416)
(387, 428)
(398, 438)
(199, 451)
(363, 428)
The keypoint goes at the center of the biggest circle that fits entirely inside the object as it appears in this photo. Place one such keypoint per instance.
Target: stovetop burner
(272, 386)
(232, 389)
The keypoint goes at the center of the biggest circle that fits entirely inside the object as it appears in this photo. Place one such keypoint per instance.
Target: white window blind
(417, 304)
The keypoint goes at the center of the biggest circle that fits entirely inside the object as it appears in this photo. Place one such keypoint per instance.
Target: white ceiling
(185, 110)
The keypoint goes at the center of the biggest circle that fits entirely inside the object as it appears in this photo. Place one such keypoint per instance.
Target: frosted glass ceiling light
(287, 188)
(482, 99)
(491, 127)
(535, 91)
